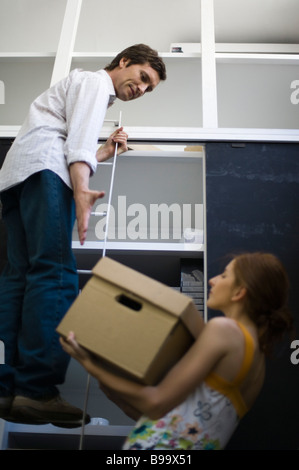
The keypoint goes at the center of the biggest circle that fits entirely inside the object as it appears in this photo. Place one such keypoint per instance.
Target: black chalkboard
(252, 202)
(5, 145)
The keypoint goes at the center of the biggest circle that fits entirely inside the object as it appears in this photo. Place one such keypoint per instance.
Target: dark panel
(4, 147)
(253, 204)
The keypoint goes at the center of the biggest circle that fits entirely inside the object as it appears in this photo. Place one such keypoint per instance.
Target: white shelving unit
(202, 80)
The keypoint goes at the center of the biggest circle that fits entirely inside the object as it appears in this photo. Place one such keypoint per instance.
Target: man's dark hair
(140, 54)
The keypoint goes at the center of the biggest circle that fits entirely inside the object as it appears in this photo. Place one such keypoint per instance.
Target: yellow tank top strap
(231, 389)
(248, 357)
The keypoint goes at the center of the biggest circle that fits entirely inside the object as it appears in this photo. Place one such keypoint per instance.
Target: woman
(200, 401)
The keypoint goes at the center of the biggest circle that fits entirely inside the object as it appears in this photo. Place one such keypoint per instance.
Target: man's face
(133, 81)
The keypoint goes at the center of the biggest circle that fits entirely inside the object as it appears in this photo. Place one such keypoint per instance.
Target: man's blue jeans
(38, 284)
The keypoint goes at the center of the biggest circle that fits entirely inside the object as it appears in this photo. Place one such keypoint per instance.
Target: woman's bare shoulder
(224, 328)
(222, 323)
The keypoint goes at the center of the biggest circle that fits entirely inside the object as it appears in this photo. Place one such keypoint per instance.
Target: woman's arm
(129, 410)
(155, 401)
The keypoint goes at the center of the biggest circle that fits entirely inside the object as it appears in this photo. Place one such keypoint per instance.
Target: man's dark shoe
(5, 405)
(55, 411)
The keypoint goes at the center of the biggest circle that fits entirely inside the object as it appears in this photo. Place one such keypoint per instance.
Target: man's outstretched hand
(84, 200)
(83, 196)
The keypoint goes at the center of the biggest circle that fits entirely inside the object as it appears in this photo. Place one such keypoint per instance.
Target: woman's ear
(239, 293)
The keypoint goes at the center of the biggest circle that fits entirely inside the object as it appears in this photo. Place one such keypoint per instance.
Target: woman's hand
(71, 347)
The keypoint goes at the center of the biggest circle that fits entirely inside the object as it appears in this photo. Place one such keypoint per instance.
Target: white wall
(257, 21)
(257, 96)
(30, 25)
(104, 25)
(112, 26)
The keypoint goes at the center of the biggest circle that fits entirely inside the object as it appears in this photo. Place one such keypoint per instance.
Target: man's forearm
(80, 174)
(83, 196)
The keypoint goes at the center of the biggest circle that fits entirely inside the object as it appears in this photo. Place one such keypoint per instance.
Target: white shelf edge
(259, 48)
(239, 48)
(89, 429)
(160, 153)
(197, 134)
(229, 57)
(244, 48)
(256, 58)
(27, 55)
(235, 51)
(104, 55)
(139, 246)
(9, 131)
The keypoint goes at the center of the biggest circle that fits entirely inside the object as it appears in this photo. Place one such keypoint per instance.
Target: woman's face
(222, 289)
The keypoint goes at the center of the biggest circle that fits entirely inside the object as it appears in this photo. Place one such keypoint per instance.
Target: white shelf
(37, 434)
(191, 134)
(140, 247)
(257, 58)
(220, 55)
(257, 48)
(89, 429)
(200, 134)
(242, 53)
(9, 131)
(26, 56)
(241, 48)
(165, 55)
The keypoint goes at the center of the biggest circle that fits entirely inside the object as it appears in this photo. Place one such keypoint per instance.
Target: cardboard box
(137, 325)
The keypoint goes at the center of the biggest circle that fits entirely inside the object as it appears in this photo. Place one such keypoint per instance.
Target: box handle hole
(128, 302)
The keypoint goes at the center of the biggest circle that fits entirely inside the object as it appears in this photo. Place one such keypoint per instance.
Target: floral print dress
(205, 421)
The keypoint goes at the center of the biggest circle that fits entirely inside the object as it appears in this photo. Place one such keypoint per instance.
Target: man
(44, 185)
